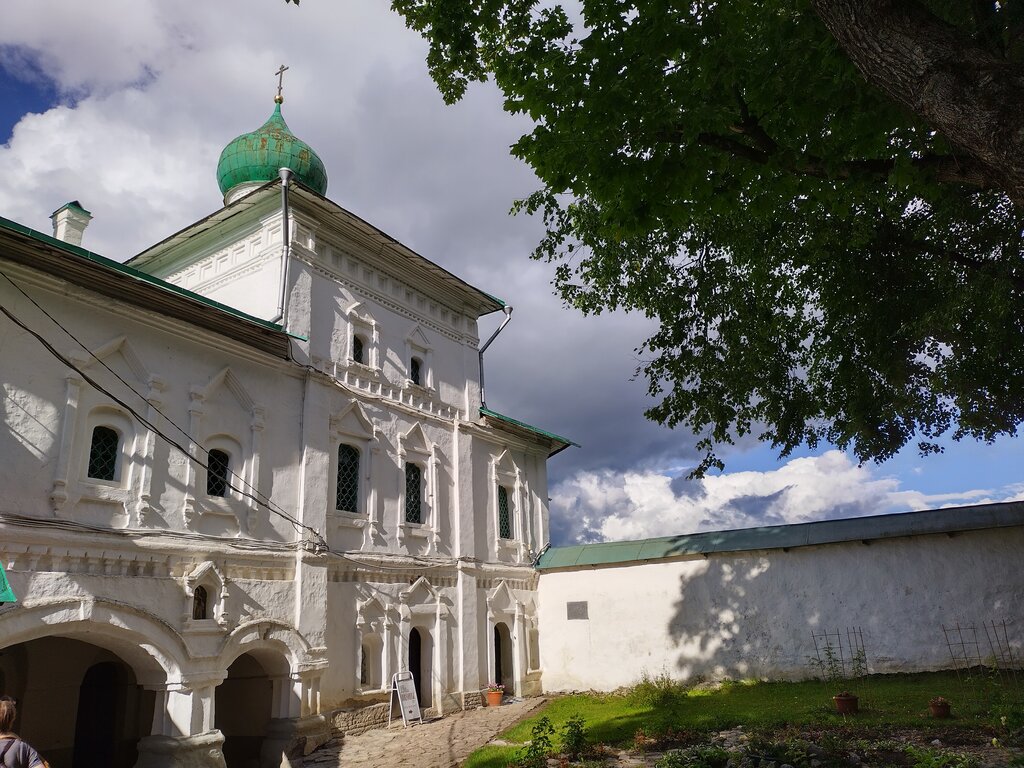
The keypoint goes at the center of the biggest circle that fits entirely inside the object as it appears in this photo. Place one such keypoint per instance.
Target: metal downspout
(508, 317)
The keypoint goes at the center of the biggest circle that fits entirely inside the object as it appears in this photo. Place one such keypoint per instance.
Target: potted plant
(494, 693)
(846, 703)
(939, 707)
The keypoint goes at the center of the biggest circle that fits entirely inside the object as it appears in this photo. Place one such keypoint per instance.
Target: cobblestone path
(442, 743)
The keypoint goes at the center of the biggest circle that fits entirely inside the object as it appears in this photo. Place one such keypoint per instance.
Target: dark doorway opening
(503, 669)
(242, 710)
(415, 665)
(95, 728)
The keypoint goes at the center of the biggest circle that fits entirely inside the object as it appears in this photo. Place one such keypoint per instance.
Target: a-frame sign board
(6, 593)
(403, 688)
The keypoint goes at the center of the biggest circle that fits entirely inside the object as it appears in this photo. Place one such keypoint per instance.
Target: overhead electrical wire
(320, 543)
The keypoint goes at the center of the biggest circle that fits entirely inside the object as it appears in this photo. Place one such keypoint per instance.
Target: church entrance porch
(80, 705)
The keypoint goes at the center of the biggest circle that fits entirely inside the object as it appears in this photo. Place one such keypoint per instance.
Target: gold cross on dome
(280, 83)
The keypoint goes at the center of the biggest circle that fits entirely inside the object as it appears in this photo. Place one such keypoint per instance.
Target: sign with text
(403, 688)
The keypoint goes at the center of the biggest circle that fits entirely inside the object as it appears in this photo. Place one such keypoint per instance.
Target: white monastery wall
(751, 614)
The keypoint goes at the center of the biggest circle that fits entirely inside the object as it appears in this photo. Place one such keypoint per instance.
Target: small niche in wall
(576, 611)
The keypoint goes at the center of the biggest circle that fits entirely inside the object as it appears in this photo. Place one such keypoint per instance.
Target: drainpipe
(282, 307)
(508, 317)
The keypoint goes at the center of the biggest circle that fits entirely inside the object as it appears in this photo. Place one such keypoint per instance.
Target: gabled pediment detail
(229, 380)
(371, 608)
(503, 463)
(358, 311)
(415, 441)
(501, 600)
(352, 420)
(121, 346)
(206, 572)
(419, 592)
(417, 337)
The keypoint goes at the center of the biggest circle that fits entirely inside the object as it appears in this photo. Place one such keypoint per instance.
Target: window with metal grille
(357, 350)
(217, 464)
(416, 371)
(347, 497)
(413, 494)
(364, 666)
(504, 517)
(103, 452)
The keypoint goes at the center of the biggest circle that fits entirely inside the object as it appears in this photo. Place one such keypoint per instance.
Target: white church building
(248, 475)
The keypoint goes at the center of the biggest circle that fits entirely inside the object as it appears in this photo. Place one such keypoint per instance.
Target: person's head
(7, 713)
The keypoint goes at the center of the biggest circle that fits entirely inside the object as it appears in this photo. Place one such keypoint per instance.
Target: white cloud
(616, 506)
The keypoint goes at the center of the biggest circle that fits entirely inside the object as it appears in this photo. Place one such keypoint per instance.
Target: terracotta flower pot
(846, 703)
(494, 698)
(939, 709)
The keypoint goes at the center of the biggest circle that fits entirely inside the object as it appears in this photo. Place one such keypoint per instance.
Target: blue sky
(126, 104)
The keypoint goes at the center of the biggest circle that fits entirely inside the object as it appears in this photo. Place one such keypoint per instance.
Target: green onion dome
(255, 158)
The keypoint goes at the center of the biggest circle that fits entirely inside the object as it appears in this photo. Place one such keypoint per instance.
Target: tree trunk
(974, 97)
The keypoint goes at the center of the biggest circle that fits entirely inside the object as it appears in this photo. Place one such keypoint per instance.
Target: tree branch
(973, 97)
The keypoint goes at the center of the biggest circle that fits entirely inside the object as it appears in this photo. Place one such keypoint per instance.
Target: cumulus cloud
(613, 506)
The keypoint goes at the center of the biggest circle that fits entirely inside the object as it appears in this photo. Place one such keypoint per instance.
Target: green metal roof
(864, 529)
(257, 157)
(86, 268)
(563, 442)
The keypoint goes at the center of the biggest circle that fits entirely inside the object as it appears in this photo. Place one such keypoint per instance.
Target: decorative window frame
(418, 345)
(351, 426)
(504, 472)
(208, 576)
(414, 448)
(361, 323)
(245, 468)
(375, 623)
(85, 409)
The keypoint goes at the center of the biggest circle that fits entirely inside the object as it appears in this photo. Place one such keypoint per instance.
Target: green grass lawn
(886, 702)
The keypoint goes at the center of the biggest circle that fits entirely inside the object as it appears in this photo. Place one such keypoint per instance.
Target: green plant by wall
(574, 737)
(535, 753)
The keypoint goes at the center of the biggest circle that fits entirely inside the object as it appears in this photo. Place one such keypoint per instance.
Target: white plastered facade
(175, 584)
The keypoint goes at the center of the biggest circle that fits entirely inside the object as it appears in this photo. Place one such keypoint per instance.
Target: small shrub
(937, 758)
(574, 737)
(654, 692)
(535, 754)
(695, 757)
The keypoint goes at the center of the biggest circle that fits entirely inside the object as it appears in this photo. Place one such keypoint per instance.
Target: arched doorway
(420, 654)
(242, 710)
(504, 671)
(79, 704)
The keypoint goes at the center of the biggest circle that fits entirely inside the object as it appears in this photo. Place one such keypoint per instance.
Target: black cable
(146, 423)
(256, 496)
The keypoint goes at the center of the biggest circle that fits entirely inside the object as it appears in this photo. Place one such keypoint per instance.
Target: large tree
(819, 200)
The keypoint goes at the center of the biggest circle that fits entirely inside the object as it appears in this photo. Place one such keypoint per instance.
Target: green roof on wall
(865, 529)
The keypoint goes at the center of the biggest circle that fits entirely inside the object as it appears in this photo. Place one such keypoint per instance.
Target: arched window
(504, 515)
(358, 355)
(348, 479)
(103, 453)
(416, 371)
(217, 467)
(364, 666)
(413, 494)
(199, 603)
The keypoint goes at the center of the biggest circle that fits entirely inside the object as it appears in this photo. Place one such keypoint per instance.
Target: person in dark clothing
(14, 753)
